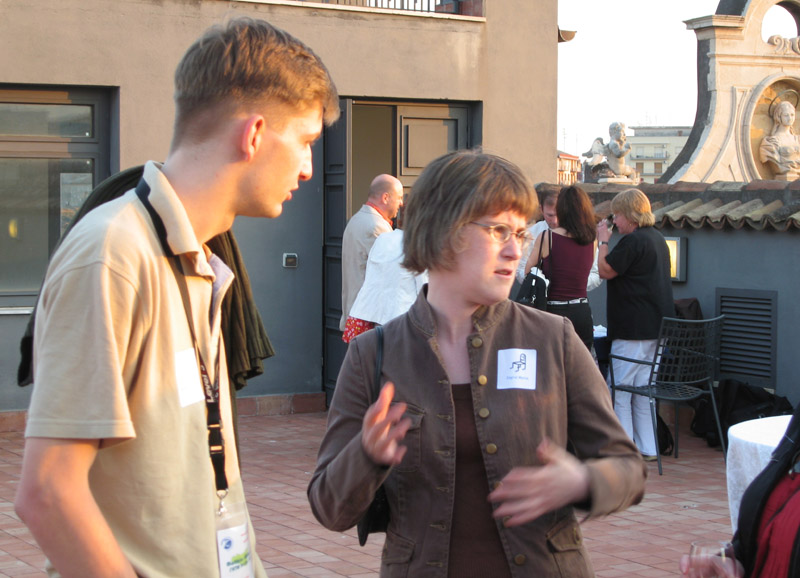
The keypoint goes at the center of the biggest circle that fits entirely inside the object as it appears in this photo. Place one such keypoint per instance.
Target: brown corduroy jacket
(570, 405)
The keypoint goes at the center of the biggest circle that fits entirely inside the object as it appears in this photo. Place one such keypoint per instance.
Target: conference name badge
(187, 376)
(233, 543)
(516, 369)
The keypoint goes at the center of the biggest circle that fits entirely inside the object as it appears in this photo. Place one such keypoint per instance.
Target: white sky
(632, 61)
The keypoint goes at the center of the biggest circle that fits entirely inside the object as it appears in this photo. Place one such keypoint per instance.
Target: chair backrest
(688, 351)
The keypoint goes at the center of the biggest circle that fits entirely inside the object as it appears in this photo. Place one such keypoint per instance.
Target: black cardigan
(756, 495)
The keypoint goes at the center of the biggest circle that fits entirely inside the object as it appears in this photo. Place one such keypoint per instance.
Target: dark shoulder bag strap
(541, 248)
(376, 385)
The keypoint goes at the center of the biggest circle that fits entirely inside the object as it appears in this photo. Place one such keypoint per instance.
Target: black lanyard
(216, 444)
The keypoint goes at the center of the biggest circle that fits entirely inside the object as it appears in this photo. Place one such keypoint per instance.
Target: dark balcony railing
(462, 7)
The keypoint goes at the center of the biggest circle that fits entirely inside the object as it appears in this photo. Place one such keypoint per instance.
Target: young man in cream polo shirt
(119, 475)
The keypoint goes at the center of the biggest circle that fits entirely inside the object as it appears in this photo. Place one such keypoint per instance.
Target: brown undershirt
(475, 547)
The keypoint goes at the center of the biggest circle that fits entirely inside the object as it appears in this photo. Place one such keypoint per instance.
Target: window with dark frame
(54, 148)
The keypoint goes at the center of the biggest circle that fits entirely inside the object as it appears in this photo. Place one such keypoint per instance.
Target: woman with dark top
(480, 398)
(767, 541)
(567, 256)
(639, 295)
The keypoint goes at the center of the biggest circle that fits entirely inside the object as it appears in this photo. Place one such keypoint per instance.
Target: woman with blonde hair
(481, 398)
(639, 295)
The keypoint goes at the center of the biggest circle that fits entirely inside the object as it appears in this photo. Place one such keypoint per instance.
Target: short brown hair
(635, 206)
(453, 190)
(249, 62)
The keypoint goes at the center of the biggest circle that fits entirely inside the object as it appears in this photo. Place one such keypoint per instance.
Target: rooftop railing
(461, 7)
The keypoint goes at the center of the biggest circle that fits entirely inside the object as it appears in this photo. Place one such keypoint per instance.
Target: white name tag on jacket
(516, 369)
(187, 376)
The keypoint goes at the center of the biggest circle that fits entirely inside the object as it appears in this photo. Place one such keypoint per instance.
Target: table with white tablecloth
(750, 445)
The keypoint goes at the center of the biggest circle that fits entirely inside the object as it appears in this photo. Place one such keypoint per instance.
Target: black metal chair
(681, 370)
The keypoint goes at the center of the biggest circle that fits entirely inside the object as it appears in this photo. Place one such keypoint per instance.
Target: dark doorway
(373, 138)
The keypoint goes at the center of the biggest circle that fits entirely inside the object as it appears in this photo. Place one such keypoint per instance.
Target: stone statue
(614, 153)
(618, 147)
(780, 151)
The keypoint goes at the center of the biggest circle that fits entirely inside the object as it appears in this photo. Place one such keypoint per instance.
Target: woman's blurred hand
(710, 567)
(603, 232)
(383, 428)
(527, 493)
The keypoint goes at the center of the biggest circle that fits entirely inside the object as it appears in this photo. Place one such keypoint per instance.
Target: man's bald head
(386, 193)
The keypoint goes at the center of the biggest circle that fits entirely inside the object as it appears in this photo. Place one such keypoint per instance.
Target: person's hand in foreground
(529, 492)
(384, 427)
(711, 567)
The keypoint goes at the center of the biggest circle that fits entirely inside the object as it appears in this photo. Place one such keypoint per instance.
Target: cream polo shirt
(113, 360)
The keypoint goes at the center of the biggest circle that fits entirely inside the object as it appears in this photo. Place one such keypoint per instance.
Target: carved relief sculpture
(780, 151)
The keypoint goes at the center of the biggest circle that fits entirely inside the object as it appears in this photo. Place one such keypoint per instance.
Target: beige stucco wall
(507, 60)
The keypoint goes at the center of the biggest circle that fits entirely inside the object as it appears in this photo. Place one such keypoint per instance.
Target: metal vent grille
(749, 335)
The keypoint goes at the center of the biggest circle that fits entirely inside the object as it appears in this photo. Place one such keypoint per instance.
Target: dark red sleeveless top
(567, 267)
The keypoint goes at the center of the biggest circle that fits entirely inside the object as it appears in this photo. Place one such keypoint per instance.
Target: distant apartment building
(653, 148)
(569, 168)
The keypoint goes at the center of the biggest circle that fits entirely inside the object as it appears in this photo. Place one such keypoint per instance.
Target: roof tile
(741, 211)
(659, 213)
(765, 210)
(703, 210)
(722, 186)
(679, 212)
(757, 205)
(688, 187)
(718, 214)
(765, 186)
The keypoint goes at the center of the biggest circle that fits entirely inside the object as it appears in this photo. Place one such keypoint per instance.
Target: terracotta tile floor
(278, 455)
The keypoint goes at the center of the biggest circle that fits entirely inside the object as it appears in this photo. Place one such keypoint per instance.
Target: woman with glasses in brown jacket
(493, 423)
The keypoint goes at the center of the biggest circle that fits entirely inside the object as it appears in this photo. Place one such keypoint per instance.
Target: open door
(337, 189)
(371, 138)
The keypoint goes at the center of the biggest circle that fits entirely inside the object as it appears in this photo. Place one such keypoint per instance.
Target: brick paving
(278, 454)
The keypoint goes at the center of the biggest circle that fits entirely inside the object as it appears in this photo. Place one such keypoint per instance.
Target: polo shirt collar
(180, 235)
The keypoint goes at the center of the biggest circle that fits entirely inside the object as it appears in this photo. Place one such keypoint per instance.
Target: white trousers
(633, 411)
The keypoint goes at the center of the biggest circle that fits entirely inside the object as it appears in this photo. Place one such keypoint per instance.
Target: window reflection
(38, 200)
(46, 120)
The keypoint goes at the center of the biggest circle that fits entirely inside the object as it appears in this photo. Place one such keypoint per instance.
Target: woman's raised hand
(529, 492)
(384, 427)
(711, 567)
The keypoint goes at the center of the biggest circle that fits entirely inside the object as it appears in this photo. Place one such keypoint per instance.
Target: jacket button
(483, 412)
(491, 449)
(482, 380)
(477, 342)
(496, 485)
(519, 559)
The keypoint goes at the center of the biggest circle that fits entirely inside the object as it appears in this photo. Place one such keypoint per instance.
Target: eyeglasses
(502, 233)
